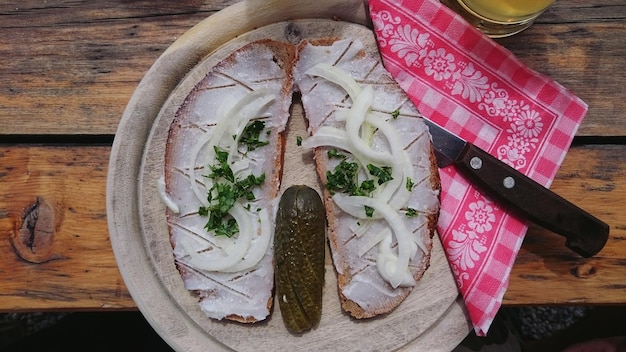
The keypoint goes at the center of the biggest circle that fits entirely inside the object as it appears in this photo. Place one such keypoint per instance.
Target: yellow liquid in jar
(506, 11)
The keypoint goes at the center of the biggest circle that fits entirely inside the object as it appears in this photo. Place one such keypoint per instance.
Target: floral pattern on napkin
(467, 83)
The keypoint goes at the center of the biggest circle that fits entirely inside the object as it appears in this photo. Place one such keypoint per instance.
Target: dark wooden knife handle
(585, 234)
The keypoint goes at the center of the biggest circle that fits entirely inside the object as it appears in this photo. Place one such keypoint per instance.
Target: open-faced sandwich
(373, 155)
(224, 164)
(222, 172)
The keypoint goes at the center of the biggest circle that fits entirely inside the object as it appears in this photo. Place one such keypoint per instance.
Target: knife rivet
(476, 163)
(508, 182)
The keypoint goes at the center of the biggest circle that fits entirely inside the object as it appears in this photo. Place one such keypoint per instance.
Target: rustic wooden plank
(593, 177)
(78, 270)
(74, 74)
(53, 230)
(582, 45)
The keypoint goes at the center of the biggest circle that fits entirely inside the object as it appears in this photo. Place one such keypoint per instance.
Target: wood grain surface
(84, 275)
(53, 230)
(65, 75)
(74, 74)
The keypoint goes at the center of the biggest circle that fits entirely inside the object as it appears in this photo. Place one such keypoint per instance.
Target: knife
(584, 233)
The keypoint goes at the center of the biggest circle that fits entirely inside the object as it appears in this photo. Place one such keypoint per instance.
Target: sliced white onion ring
(218, 260)
(258, 247)
(355, 206)
(225, 119)
(240, 114)
(335, 138)
(329, 137)
(169, 203)
(200, 195)
(388, 268)
(394, 191)
(337, 76)
(354, 121)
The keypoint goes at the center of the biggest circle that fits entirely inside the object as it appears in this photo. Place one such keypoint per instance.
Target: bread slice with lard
(380, 239)
(232, 276)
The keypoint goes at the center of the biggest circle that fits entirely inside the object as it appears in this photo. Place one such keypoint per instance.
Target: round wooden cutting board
(432, 318)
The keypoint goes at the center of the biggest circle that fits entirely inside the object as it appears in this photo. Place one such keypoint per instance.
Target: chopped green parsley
(335, 154)
(226, 189)
(222, 197)
(409, 184)
(382, 173)
(222, 169)
(345, 177)
(250, 135)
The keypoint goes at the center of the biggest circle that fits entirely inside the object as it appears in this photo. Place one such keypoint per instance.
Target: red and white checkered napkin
(464, 81)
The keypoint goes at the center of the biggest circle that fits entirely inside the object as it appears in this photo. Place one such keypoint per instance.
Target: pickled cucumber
(299, 249)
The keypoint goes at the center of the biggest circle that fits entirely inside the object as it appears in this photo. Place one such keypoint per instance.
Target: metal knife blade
(584, 233)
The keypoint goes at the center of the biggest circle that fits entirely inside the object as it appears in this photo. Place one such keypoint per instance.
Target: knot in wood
(584, 270)
(33, 238)
(293, 33)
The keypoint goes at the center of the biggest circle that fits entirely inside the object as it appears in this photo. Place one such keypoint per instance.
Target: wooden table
(68, 69)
